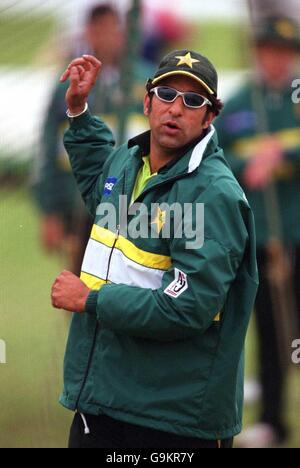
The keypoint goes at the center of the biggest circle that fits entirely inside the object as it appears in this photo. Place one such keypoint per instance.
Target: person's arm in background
(237, 122)
(265, 154)
(257, 171)
(237, 163)
(51, 182)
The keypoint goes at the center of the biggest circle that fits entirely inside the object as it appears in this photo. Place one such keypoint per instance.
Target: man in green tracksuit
(155, 356)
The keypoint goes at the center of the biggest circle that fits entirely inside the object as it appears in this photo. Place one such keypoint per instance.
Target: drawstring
(86, 427)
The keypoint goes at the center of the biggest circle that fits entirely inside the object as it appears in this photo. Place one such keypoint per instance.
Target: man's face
(106, 38)
(277, 63)
(173, 125)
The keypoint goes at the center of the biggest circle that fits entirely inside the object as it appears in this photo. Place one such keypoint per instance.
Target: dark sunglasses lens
(193, 100)
(167, 94)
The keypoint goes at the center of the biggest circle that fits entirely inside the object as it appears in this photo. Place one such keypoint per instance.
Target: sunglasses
(191, 100)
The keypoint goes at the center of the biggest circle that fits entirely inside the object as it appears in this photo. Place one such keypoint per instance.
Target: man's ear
(147, 105)
(209, 120)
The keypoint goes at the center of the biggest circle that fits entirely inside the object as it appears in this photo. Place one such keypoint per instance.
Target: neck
(160, 156)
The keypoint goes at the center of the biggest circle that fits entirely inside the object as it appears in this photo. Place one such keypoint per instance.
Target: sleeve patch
(178, 286)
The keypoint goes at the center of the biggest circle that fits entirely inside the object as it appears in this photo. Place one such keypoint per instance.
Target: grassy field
(224, 43)
(292, 405)
(35, 335)
(22, 37)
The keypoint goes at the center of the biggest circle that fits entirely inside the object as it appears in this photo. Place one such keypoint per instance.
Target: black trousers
(108, 433)
(272, 373)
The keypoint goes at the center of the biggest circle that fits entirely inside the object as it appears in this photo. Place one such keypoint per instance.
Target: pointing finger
(65, 76)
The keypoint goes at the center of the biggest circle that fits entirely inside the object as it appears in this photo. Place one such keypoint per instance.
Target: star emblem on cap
(186, 60)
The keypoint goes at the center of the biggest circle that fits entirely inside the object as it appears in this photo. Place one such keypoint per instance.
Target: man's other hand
(83, 73)
(69, 293)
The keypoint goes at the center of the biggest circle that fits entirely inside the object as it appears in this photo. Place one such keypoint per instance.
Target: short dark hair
(217, 104)
(101, 10)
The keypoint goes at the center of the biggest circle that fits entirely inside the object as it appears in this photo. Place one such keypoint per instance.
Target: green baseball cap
(278, 30)
(188, 63)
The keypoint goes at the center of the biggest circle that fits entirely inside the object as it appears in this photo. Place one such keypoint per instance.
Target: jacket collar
(197, 149)
(143, 141)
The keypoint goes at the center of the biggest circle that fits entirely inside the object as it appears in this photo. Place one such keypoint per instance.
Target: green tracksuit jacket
(161, 343)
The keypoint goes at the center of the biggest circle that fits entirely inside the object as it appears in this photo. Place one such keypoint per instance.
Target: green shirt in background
(240, 135)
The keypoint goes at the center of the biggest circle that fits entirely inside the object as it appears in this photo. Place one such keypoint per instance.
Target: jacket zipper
(98, 325)
(106, 280)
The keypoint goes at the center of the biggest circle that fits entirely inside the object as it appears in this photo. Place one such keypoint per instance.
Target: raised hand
(83, 73)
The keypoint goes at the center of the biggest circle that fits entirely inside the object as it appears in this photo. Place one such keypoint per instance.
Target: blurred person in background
(65, 224)
(259, 159)
(162, 29)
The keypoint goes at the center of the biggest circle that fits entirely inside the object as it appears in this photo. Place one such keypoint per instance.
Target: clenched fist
(69, 293)
(83, 73)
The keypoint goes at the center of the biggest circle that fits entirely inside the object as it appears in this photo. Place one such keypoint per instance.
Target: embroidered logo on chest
(109, 185)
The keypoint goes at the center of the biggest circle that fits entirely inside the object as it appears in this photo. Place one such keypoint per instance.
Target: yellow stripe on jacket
(147, 259)
(127, 265)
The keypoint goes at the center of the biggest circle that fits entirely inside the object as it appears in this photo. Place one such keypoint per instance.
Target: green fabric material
(238, 127)
(138, 354)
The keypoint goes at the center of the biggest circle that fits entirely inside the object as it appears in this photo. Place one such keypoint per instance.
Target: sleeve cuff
(91, 303)
(82, 120)
(73, 116)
